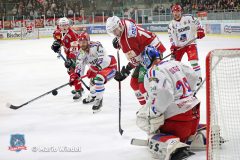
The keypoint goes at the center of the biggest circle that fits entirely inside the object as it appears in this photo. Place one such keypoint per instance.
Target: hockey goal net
(29, 32)
(223, 104)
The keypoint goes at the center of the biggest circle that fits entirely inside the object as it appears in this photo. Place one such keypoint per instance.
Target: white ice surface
(29, 68)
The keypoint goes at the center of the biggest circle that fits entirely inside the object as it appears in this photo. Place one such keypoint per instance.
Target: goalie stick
(143, 142)
(64, 59)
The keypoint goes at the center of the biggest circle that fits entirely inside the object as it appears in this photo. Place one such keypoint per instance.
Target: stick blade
(9, 105)
(121, 131)
(139, 142)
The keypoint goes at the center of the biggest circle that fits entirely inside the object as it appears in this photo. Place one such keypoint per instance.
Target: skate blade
(96, 111)
(77, 100)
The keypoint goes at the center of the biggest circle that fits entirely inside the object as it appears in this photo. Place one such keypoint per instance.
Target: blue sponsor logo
(231, 29)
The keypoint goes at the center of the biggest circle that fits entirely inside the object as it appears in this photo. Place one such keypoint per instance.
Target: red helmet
(176, 7)
(83, 36)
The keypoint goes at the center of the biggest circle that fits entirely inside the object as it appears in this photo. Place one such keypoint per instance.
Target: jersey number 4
(185, 87)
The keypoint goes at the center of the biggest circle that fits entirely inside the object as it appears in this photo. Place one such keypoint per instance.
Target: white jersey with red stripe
(170, 86)
(183, 31)
(96, 56)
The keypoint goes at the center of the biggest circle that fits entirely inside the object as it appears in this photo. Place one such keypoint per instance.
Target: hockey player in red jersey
(183, 29)
(66, 37)
(102, 68)
(171, 114)
(132, 39)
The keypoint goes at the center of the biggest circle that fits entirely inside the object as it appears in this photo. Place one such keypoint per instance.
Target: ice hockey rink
(29, 68)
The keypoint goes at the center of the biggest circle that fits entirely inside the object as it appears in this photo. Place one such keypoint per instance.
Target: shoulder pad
(131, 29)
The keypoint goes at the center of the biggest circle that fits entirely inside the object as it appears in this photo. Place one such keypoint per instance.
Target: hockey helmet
(176, 7)
(112, 23)
(149, 55)
(63, 22)
(83, 36)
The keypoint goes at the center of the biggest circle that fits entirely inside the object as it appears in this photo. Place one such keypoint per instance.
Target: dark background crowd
(59, 8)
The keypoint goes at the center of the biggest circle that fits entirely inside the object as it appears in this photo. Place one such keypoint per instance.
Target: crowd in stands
(210, 5)
(59, 8)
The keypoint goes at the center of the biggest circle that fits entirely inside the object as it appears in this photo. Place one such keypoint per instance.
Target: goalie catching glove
(148, 119)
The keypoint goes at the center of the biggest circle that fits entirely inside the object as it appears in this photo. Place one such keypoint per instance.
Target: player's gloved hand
(71, 55)
(115, 43)
(56, 46)
(57, 35)
(92, 72)
(124, 73)
(173, 49)
(68, 63)
(73, 78)
(200, 33)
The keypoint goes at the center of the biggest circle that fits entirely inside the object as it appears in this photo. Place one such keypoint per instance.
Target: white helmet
(63, 21)
(112, 23)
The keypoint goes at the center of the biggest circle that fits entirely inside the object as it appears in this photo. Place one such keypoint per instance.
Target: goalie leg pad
(168, 147)
(198, 141)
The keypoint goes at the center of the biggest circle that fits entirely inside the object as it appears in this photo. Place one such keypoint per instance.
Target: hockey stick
(64, 59)
(51, 91)
(180, 48)
(55, 89)
(120, 99)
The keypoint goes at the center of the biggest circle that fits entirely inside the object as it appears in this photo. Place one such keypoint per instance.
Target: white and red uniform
(180, 33)
(104, 66)
(170, 86)
(133, 41)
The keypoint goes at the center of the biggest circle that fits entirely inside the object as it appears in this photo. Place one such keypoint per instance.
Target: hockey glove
(92, 72)
(73, 78)
(120, 76)
(68, 63)
(173, 49)
(56, 46)
(200, 33)
(115, 43)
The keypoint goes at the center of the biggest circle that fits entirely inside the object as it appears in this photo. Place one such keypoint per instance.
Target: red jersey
(134, 39)
(65, 39)
(69, 37)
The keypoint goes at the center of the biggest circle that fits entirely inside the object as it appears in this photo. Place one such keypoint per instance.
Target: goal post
(223, 104)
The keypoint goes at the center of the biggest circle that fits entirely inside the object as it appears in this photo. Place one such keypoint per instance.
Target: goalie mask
(149, 55)
(114, 26)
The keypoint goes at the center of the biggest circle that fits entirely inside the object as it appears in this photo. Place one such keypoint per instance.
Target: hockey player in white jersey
(182, 30)
(171, 114)
(102, 68)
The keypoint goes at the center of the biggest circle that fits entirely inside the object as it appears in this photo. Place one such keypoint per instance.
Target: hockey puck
(54, 92)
